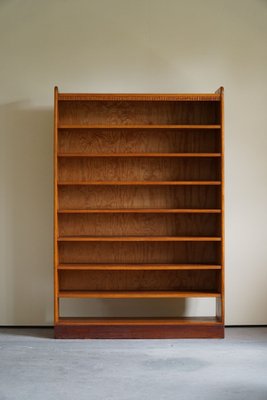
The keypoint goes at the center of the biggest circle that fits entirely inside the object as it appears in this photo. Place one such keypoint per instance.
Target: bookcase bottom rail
(128, 331)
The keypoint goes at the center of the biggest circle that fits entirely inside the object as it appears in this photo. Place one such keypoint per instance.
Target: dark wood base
(182, 331)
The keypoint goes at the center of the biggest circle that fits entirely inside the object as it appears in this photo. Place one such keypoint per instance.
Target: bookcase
(139, 209)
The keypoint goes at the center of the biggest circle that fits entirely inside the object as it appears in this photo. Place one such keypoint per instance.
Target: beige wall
(128, 46)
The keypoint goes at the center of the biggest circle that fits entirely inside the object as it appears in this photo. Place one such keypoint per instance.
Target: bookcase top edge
(139, 97)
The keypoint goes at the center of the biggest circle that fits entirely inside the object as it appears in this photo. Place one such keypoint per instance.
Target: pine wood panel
(139, 225)
(138, 141)
(140, 252)
(115, 197)
(141, 112)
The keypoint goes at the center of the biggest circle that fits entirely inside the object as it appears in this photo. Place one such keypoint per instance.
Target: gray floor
(34, 366)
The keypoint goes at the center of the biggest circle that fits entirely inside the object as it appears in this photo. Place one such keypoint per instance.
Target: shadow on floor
(30, 332)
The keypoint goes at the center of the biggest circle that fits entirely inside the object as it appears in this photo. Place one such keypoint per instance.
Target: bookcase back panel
(138, 141)
(138, 280)
(139, 225)
(138, 112)
(140, 252)
(116, 197)
(138, 169)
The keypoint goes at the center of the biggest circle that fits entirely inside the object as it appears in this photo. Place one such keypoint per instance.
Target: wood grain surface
(139, 225)
(138, 169)
(141, 112)
(199, 281)
(138, 140)
(114, 197)
(140, 252)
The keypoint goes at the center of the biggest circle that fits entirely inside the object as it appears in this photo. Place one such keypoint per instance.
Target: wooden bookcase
(139, 208)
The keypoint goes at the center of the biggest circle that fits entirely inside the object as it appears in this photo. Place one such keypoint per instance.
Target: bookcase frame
(139, 208)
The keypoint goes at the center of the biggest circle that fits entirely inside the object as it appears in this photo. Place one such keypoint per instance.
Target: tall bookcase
(139, 208)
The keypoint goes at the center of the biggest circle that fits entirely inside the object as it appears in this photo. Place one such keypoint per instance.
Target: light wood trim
(84, 126)
(56, 301)
(134, 294)
(137, 239)
(151, 183)
(135, 267)
(139, 97)
(139, 321)
(220, 302)
(161, 155)
(143, 211)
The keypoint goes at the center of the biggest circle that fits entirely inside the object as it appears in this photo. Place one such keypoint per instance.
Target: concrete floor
(34, 366)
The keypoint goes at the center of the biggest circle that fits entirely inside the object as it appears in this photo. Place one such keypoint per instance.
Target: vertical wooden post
(56, 299)
(220, 301)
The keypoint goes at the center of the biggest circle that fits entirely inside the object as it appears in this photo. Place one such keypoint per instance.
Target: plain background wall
(128, 46)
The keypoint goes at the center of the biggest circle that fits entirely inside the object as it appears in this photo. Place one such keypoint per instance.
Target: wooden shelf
(139, 183)
(161, 155)
(143, 211)
(134, 267)
(133, 294)
(137, 126)
(139, 321)
(137, 239)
